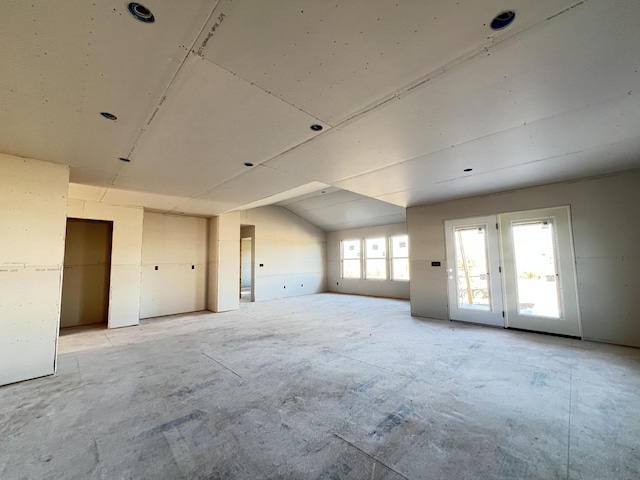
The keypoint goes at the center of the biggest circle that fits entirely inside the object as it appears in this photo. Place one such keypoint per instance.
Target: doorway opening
(514, 270)
(87, 274)
(247, 263)
(473, 263)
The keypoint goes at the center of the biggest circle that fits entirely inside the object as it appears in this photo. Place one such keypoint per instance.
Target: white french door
(514, 270)
(539, 271)
(473, 266)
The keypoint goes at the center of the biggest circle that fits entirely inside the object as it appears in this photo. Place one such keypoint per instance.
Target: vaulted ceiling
(410, 95)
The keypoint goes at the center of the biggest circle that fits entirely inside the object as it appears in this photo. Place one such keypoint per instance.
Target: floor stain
(174, 423)
(393, 420)
(363, 387)
(538, 380)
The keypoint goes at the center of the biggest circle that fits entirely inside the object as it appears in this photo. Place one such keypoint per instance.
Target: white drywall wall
(376, 288)
(177, 247)
(33, 199)
(126, 256)
(292, 253)
(606, 235)
(87, 264)
(224, 263)
(212, 265)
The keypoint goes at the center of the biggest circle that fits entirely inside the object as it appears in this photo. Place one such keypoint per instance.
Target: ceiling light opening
(108, 116)
(316, 128)
(503, 20)
(248, 164)
(468, 169)
(140, 12)
(124, 159)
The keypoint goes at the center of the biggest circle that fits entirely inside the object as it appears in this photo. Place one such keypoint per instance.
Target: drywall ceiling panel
(524, 79)
(90, 176)
(199, 207)
(551, 138)
(86, 192)
(339, 209)
(332, 197)
(121, 196)
(603, 159)
(355, 214)
(255, 184)
(69, 61)
(41, 45)
(317, 193)
(333, 226)
(211, 123)
(291, 195)
(338, 58)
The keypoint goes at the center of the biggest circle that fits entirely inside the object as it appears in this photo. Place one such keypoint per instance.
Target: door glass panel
(536, 271)
(472, 268)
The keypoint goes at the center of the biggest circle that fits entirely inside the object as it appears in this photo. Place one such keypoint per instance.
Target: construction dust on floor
(324, 386)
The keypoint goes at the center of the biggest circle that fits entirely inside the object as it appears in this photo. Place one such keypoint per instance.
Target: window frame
(359, 259)
(393, 256)
(384, 257)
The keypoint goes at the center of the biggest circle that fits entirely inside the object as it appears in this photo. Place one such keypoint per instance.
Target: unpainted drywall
(212, 264)
(376, 288)
(606, 235)
(126, 256)
(87, 264)
(224, 263)
(33, 199)
(290, 254)
(174, 265)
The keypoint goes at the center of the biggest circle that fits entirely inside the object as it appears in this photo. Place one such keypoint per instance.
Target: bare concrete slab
(324, 386)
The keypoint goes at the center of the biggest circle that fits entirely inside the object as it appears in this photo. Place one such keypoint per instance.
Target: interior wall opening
(87, 273)
(247, 264)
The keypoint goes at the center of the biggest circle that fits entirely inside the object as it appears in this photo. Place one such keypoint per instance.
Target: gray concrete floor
(324, 387)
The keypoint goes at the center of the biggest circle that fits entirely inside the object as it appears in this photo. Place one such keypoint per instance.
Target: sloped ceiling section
(334, 209)
(419, 102)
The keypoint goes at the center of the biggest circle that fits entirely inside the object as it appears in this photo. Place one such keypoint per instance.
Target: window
(351, 263)
(400, 257)
(376, 258)
(368, 259)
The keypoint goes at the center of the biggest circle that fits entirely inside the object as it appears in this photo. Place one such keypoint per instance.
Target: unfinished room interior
(302, 239)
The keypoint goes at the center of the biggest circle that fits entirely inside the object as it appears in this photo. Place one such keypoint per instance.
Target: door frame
(495, 315)
(570, 322)
(566, 267)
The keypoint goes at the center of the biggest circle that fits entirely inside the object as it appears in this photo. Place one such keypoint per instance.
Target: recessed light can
(315, 127)
(503, 20)
(108, 116)
(140, 12)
